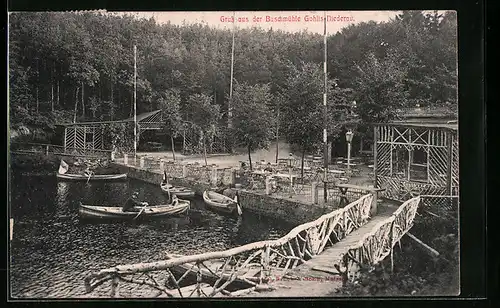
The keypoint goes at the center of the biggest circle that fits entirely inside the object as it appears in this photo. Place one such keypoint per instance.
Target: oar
(238, 207)
(168, 186)
(90, 174)
(142, 210)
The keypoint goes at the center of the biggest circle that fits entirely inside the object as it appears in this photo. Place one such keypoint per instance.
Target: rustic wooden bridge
(337, 243)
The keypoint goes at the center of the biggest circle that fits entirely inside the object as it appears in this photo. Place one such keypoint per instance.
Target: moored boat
(90, 176)
(93, 177)
(221, 203)
(116, 212)
(179, 191)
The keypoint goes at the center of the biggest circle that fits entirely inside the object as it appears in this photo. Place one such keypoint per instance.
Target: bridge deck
(304, 281)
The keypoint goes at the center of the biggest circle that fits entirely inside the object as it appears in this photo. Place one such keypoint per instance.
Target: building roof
(443, 112)
(140, 117)
(451, 125)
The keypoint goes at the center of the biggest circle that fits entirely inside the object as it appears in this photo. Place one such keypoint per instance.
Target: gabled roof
(140, 117)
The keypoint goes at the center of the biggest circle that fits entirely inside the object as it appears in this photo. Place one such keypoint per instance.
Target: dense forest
(66, 67)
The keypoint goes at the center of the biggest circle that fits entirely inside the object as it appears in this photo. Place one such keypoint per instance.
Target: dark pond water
(52, 250)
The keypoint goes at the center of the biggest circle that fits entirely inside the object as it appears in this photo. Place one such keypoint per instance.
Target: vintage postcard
(233, 154)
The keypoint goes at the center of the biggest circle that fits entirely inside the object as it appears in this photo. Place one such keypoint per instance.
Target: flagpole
(135, 103)
(325, 111)
(229, 109)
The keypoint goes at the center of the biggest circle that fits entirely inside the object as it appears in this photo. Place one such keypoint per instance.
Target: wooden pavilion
(88, 136)
(418, 156)
(91, 135)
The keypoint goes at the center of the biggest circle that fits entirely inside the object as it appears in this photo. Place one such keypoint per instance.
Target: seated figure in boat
(175, 200)
(268, 168)
(132, 203)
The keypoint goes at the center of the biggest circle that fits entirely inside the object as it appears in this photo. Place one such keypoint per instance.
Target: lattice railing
(251, 264)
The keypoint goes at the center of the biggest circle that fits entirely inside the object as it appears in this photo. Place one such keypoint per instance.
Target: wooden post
(314, 192)
(268, 185)
(391, 239)
(65, 138)
(449, 164)
(141, 162)
(233, 177)
(184, 171)
(125, 159)
(214, 176)
(373, 208)
(46, 150)
(114, 286)
(375, 139)
(162, 165)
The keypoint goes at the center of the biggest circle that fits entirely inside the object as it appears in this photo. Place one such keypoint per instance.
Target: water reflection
(52, 250)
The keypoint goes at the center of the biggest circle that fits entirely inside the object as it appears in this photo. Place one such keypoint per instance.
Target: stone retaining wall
(281, 208)
(276, 207)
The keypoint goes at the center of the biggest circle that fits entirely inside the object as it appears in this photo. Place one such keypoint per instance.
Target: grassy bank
(34, 164)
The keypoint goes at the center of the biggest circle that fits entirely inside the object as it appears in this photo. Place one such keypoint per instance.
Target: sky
(291, 21)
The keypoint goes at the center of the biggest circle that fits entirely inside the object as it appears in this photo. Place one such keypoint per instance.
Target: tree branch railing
(250, 264)
(377, 244)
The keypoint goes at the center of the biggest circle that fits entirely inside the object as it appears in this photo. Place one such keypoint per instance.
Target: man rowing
(132, 203)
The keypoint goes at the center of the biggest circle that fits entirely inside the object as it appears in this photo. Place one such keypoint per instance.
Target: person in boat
(132, 203)
(87, 171)
(268, 168)
(229, 192)
(175, 200)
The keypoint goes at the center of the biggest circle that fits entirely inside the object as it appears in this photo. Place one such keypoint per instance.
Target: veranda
(418, 159)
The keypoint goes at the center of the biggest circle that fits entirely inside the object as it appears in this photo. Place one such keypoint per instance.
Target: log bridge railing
(253, 263)
(379, 243)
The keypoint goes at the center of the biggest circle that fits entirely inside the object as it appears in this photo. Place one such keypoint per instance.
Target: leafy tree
(252, 118)
(303, 115)
(204, 116)
(170, 102)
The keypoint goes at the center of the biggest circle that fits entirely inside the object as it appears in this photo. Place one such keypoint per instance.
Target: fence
(252, 263)
(42, 148)
(205, 174)
(287, 183)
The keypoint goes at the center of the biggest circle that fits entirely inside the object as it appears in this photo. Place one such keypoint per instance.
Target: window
(418, 166)
(89, 140)
(400, 162)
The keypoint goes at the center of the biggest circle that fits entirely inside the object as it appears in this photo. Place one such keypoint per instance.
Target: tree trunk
(76, 105)
(58, 97)
(205, 150)
(83, 100)
(302, 165)
(37, 83)
(277, 136)
(37, 102)
(173, 146)
(250, 157)
(52, 96)
(112, 90)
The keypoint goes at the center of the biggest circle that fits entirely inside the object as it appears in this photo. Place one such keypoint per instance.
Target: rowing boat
(219, 202)
(116, 212)
(179, 191)
(211, 270)
(93, 177)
